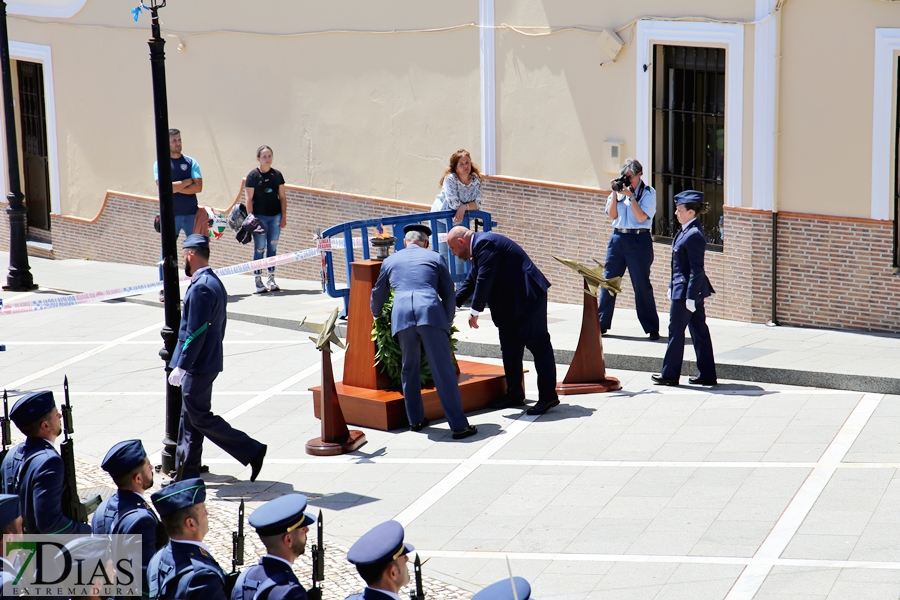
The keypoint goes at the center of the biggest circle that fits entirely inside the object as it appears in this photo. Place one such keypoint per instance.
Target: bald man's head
(459, 239)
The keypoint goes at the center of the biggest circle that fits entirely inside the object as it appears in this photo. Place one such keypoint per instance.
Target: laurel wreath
(388, 358)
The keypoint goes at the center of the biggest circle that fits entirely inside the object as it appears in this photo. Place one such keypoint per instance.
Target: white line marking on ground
(157, 342)
(162, 393)
(752, 578)
(103, 346)
(644, 558)
(454, 477)
(280, 387)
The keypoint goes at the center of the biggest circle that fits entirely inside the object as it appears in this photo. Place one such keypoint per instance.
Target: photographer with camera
(631, 206)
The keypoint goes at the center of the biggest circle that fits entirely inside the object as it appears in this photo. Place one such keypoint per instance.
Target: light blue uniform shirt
(626, 218)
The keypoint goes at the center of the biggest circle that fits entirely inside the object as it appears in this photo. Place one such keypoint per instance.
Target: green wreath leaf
(388, 358)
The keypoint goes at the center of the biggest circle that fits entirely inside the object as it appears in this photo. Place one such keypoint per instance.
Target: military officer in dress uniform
(34, 469)
(282, 525)
(503, 590)
(184, 569)
(127, 512)
(196, 363)
(380, 558)
(10, 523)
(688, 289)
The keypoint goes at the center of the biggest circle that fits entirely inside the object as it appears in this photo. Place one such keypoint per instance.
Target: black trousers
(529, 331)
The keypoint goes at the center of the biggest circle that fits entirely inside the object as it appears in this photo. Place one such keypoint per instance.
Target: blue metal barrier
(347, 230)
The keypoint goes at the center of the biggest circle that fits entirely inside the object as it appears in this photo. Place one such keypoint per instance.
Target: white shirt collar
(272, 556)
(387, 593)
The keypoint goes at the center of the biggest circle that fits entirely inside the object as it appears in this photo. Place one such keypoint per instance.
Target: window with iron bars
(689, 136)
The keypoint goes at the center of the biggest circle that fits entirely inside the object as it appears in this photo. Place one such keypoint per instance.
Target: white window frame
(39, 54)
(488, 88)
(715, 35)
(887, 48)
(35, 8)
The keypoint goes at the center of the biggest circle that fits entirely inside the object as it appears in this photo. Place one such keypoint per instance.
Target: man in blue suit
(687, 291)
(196, 363)
(34, 470)
(421, 316)
(504, 278)
(184, 569)
(127, 512)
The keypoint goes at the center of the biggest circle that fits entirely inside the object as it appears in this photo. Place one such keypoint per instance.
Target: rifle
(6, 437)
(237, 552)
(318, 562)
(419, 593)
(72, 507)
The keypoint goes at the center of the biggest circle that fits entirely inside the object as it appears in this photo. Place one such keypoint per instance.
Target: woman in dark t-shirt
(267, 201)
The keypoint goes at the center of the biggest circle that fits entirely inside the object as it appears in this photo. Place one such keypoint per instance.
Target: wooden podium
(587, 373)
(364, 396)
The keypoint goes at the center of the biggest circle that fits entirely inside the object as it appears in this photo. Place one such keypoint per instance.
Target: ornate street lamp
(19, 278)
(171, 292)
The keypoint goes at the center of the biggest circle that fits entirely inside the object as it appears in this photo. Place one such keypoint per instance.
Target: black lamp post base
(16, 282)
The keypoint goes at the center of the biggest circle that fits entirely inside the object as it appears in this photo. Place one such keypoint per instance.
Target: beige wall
(827, 83)
(379, 114)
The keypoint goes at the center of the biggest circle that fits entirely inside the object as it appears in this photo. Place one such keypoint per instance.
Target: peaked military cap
(281, 515)
(381, 544)
(503, 590)
(688, 197)
(195, 240)
(417, 227)
(30, 407)
(123, 457)
(9, 508)
(178, 495)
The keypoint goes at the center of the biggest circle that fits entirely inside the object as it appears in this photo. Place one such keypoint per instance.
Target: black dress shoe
(660, 380)
(603, 331)
(701, 381)
(204, 468)
(461, 434)
(542, 407)
(420, 426)
(506, 401)
(654, 335)
(257, 462)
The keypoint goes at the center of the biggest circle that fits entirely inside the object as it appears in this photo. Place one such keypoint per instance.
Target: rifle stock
(237, 552)
(72, 507)
(5, 433)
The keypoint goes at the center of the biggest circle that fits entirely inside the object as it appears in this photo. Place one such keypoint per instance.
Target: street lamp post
(19, 278)
(171, 292)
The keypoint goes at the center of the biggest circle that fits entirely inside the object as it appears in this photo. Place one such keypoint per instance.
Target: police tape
(322, 245)
(137, 290)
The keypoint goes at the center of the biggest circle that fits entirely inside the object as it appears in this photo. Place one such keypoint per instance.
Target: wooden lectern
(364, 395)
(587, 373)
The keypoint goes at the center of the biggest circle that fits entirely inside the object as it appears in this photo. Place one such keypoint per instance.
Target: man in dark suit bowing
(504, 278)
(422, 312)
(687, 291)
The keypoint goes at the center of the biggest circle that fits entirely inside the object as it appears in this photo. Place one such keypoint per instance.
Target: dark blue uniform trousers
(198, 421)
(436, 343)
(529, 331)
(633, 251)
(679, 318)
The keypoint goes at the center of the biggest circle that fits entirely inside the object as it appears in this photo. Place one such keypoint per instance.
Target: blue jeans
(267, 243)
(183, 223)
(444, 250)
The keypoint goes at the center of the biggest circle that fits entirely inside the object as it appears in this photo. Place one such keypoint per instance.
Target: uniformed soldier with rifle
(381, 560)
(282, 525)
(184, 569)
(127, 512)
(36, 473)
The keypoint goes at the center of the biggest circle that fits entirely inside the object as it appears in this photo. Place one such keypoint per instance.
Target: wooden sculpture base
(587, 373)
(479, 385)
(317, 447)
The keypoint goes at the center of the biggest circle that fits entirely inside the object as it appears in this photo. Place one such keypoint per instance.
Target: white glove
(691, 306)
(669, 294)
(176, 376)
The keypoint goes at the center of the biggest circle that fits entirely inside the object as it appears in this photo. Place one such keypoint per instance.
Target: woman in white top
(460, 191)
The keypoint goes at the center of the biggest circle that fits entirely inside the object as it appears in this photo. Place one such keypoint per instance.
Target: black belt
(641, 230)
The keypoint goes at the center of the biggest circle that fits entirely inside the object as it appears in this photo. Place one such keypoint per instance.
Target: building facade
(784, 112)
